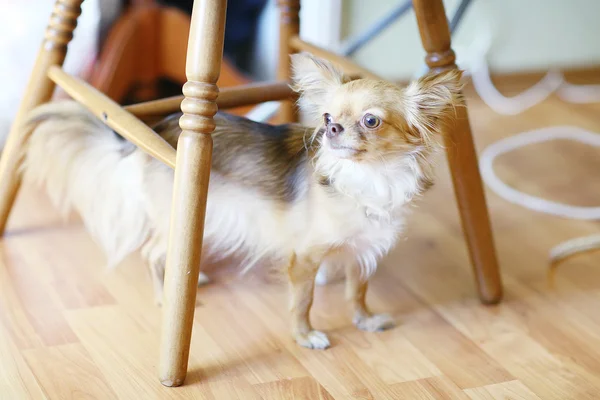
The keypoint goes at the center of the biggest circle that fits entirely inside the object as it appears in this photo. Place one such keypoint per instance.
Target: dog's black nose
(334, 130)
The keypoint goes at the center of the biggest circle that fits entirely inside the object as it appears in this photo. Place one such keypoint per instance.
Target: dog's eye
(327, 118)
(371, 121)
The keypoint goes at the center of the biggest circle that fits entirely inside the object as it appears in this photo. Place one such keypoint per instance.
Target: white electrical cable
(525, 200)
(579, 93)
(574, 246)
(516, 104)
(553, 82)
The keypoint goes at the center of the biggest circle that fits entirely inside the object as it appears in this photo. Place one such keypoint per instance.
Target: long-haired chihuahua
(332, 195)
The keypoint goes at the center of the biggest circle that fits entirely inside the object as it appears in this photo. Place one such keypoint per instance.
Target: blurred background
(134, 50)
(525, 35)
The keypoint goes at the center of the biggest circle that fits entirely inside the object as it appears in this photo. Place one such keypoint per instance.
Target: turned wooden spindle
(435, 34)
(192, 171)
(40, 88)
(289, 27)
(462, 157)
(253, 93)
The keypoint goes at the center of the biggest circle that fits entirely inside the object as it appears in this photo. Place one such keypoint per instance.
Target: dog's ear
(315, 79)
(431, 101)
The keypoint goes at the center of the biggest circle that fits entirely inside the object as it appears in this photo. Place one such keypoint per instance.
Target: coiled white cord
(518, 103)
(553, 82)
(525, 200)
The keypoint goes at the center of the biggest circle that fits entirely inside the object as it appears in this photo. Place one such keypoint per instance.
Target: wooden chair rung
(348, 66)
(231, 97)
(113, 115)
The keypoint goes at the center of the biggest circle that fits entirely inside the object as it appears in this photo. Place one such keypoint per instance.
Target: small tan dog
(308, 198)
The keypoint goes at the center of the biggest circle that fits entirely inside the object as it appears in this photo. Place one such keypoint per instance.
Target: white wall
(320, 24)
(527, 34)
(22, 26)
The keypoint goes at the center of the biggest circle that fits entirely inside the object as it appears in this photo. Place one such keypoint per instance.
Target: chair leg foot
(169, 383)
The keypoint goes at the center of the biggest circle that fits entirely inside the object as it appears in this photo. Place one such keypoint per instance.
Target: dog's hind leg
(356, 293)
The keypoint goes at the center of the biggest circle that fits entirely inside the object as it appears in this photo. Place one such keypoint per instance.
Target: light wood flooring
(69, 329)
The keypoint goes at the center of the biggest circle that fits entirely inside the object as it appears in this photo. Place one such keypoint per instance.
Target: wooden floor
(71, 329)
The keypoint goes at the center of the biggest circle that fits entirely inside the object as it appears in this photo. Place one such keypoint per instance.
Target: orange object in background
(146, 44)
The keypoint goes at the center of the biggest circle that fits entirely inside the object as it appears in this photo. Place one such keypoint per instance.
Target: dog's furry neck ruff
(382, 188)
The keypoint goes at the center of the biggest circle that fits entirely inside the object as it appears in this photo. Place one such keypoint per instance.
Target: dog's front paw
(373, 323)
(313, 340)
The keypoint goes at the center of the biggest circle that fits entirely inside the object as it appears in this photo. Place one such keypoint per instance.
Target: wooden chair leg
(39, 90)
(192, 171)
(289, 26)
(435, 36)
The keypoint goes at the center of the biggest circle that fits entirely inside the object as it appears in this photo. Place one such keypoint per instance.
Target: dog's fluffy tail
(85, 167)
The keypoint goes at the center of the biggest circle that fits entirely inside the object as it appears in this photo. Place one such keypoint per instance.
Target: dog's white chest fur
(360, 212)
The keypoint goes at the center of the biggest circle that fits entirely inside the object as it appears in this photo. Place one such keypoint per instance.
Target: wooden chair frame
(192, 159)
